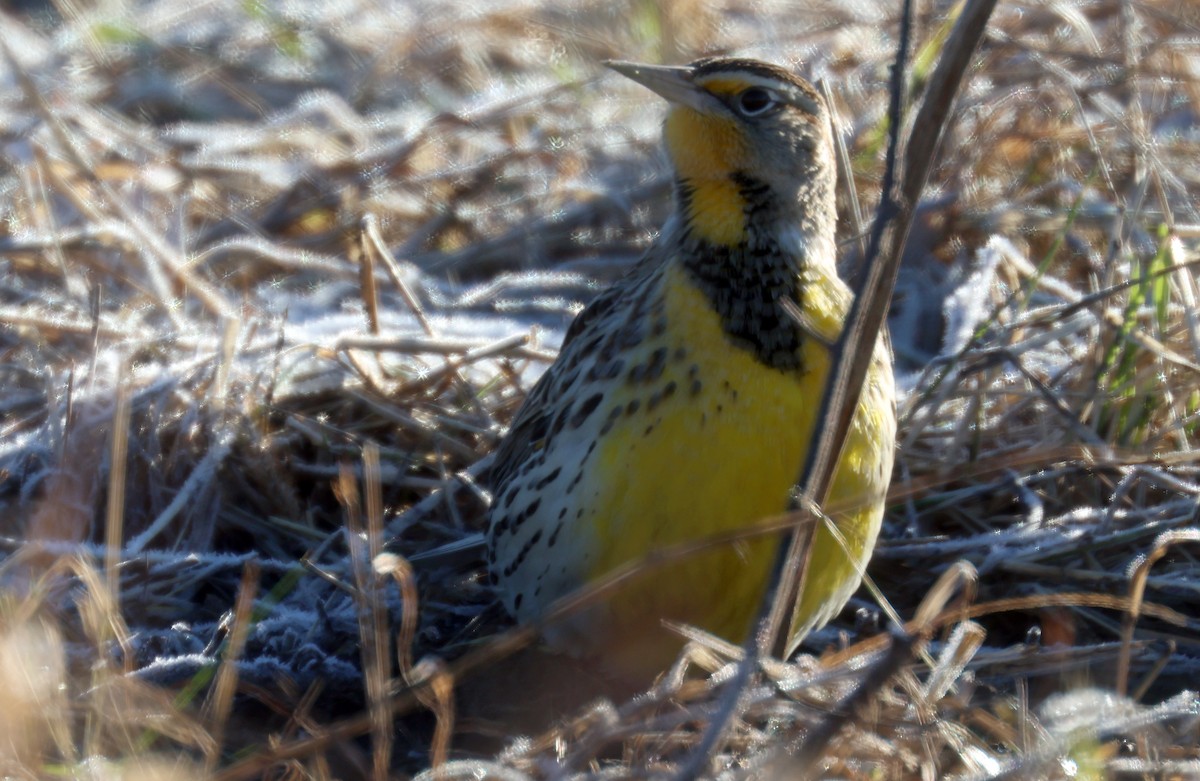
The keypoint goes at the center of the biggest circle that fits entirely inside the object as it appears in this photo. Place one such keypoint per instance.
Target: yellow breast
(714, 444)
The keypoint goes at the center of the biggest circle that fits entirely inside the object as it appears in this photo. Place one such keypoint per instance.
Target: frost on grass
(254, 240)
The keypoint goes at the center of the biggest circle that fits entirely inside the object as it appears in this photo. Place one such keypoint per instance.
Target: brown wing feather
(532, 422)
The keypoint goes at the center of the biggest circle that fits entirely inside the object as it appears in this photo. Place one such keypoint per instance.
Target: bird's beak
(672, 82)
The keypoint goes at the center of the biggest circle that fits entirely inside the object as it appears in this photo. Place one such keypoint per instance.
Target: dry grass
(259, 242)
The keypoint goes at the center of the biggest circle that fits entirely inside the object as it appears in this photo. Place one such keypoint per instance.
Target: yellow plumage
(685, 397)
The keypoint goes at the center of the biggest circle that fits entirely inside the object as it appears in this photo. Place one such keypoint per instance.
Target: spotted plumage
(684, 397)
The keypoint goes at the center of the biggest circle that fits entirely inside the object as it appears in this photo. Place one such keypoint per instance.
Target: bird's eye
(755, 101)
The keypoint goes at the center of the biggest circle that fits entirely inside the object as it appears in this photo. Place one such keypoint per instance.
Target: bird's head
(737, 124)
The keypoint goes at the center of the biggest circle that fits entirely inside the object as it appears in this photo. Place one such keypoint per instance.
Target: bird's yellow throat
(705, 151)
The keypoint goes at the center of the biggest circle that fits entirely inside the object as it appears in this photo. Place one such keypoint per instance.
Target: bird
(684, 397)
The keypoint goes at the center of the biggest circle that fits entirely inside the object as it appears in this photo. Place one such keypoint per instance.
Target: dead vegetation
(273, 278)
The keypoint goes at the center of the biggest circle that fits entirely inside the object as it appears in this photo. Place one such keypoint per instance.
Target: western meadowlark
(684, 397)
